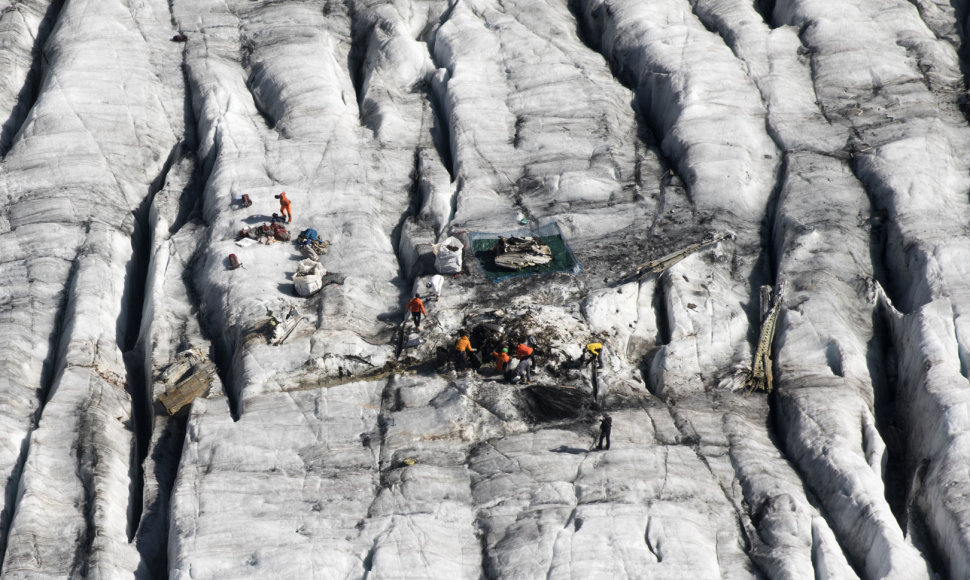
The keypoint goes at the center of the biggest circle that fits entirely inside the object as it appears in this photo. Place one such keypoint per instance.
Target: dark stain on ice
(519, 124)
(550, 403)
(86, 454)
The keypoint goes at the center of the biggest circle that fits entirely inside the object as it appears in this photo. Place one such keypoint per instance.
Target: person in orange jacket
(285, 208)
(501, 359)
(416, 308)
(523, 351)
(465, 352)
(464, 344)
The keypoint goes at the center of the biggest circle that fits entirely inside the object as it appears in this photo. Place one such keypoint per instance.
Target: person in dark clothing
(606, 426)
(524, 370)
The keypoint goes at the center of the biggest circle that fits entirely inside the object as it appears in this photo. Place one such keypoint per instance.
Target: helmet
(505, 350)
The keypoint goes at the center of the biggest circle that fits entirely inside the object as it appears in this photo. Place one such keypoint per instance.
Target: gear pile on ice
(310, 244)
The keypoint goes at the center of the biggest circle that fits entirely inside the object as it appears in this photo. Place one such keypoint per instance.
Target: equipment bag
(308, 235)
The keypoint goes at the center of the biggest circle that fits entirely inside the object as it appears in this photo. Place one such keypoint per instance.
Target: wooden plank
(186, 391)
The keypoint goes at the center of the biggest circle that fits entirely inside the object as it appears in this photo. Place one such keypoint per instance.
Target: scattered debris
(193, 372)
(180, 38)
(195, 385)
(184, 361)
(265, 234)
(761, 375)
(283, 326)
(516, 253)
(234, 262)
(376, 374)
(659, 265)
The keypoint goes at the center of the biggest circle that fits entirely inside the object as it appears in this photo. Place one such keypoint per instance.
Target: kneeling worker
(501, 359)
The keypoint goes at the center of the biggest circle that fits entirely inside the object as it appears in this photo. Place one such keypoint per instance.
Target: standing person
(416, 308)
(285, 208)
(501, 359)
(606, 426)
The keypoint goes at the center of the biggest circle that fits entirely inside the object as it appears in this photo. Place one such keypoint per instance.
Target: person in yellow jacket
(593, 350)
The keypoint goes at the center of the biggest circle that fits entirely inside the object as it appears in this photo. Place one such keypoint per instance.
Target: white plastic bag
(448, 258)
(308, 279)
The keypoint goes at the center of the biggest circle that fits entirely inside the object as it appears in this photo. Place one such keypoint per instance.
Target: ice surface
(827, 144)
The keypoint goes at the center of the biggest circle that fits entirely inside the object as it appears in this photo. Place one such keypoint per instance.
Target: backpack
(280, 233)
(308, 235)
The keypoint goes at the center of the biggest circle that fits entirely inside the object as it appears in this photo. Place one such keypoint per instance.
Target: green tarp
(562, 256)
